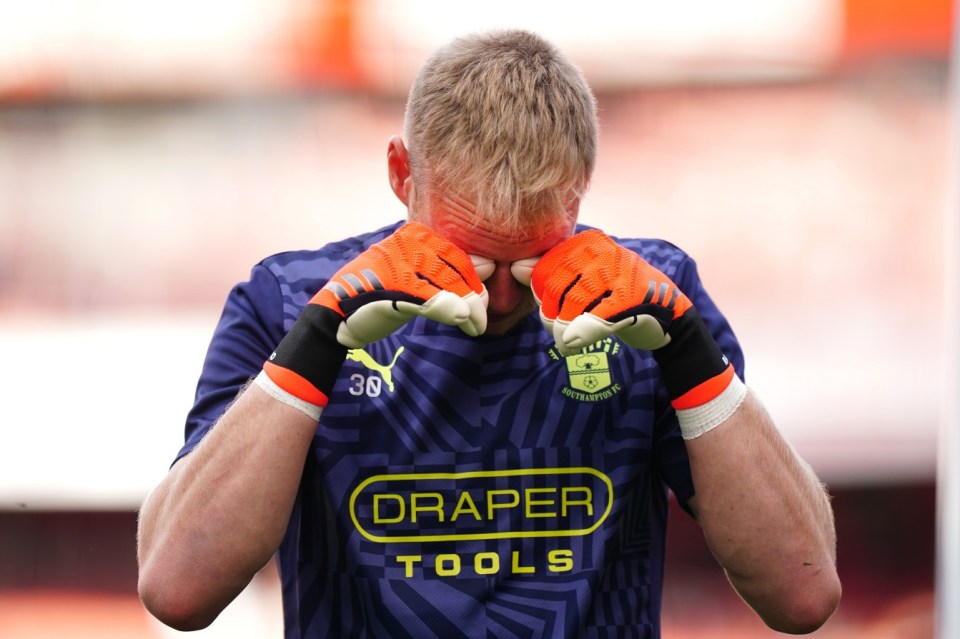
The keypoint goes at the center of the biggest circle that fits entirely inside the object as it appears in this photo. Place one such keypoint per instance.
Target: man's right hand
(414, 271)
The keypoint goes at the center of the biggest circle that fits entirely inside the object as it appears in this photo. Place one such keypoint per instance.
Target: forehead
(455, 221)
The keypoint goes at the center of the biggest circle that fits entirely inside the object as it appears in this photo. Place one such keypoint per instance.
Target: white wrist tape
(697, 421)
(270, 388)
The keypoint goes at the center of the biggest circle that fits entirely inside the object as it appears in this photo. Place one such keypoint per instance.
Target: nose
(505, 291)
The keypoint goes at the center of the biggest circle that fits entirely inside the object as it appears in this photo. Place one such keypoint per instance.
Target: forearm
(767, 519)
(221, 512)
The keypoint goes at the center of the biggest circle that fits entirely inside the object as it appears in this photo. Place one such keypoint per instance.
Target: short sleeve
(249, 329)
(670, 455)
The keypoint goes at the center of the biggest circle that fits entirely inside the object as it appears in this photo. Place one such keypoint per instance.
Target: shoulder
(308, 263)
(299, 274)
(681, 268)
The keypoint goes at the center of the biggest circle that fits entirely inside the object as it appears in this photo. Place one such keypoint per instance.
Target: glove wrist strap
(701, 382)
(308, 360)
(690, 360)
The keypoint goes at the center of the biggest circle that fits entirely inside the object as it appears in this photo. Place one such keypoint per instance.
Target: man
(466, 425)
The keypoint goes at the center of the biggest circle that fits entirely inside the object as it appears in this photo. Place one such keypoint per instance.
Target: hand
(590, 287)
(414, 271)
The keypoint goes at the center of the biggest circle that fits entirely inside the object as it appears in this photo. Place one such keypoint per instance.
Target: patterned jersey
(468, 487)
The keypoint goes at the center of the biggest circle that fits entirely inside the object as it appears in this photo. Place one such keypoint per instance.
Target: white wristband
(697, 421)
(270, 388)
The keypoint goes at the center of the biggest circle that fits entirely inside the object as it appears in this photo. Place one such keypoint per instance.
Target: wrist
(691, 361)
(701, 382)
(307, 361)
(701, 419)
(271, 388)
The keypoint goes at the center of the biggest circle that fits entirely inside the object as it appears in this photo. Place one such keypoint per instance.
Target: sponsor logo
(498, 504)
(369, 385)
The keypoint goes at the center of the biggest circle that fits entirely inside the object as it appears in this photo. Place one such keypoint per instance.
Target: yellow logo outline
(578, 532)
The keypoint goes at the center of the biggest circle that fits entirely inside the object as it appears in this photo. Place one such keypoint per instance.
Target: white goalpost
(948, 471)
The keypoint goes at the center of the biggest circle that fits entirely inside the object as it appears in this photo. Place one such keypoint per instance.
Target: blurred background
(151, 153)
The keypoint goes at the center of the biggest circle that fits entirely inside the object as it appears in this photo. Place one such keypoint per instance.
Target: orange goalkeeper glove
(590, 287)
(414, 271)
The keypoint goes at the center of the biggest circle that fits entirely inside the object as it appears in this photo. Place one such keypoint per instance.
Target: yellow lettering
(566, 501)
(466, 505)
(532, 503)
(481, 566)
(415, 506)
(560, 560)
(487, 563)
(516, 568)
(408, 561)
(493, 505)
(377, 519)
(454, 565)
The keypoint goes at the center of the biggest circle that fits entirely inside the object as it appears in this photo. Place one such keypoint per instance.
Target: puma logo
(362, 356)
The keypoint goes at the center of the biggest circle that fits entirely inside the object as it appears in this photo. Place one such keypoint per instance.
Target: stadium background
(150, 153)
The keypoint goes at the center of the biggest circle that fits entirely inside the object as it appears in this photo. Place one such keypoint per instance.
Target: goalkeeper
(468, 424)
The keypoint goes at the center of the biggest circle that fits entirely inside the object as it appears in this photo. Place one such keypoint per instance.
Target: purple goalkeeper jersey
(468, 486)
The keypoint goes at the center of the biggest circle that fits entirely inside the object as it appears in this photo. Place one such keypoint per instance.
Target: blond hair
(506, 121)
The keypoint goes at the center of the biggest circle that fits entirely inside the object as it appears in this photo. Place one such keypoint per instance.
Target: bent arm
(221, 512)
(767, 519)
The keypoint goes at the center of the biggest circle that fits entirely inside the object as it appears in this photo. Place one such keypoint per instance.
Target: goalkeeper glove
(414, 271)
(590, 287)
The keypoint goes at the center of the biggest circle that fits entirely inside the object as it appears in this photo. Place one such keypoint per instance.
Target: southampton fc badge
(588, 371)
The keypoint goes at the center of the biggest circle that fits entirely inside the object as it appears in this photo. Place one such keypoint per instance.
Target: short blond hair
(505, 120)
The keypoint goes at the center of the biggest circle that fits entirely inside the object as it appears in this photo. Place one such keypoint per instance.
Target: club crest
(589, 372)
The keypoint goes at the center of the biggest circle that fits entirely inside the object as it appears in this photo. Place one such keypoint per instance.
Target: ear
(398, 169)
